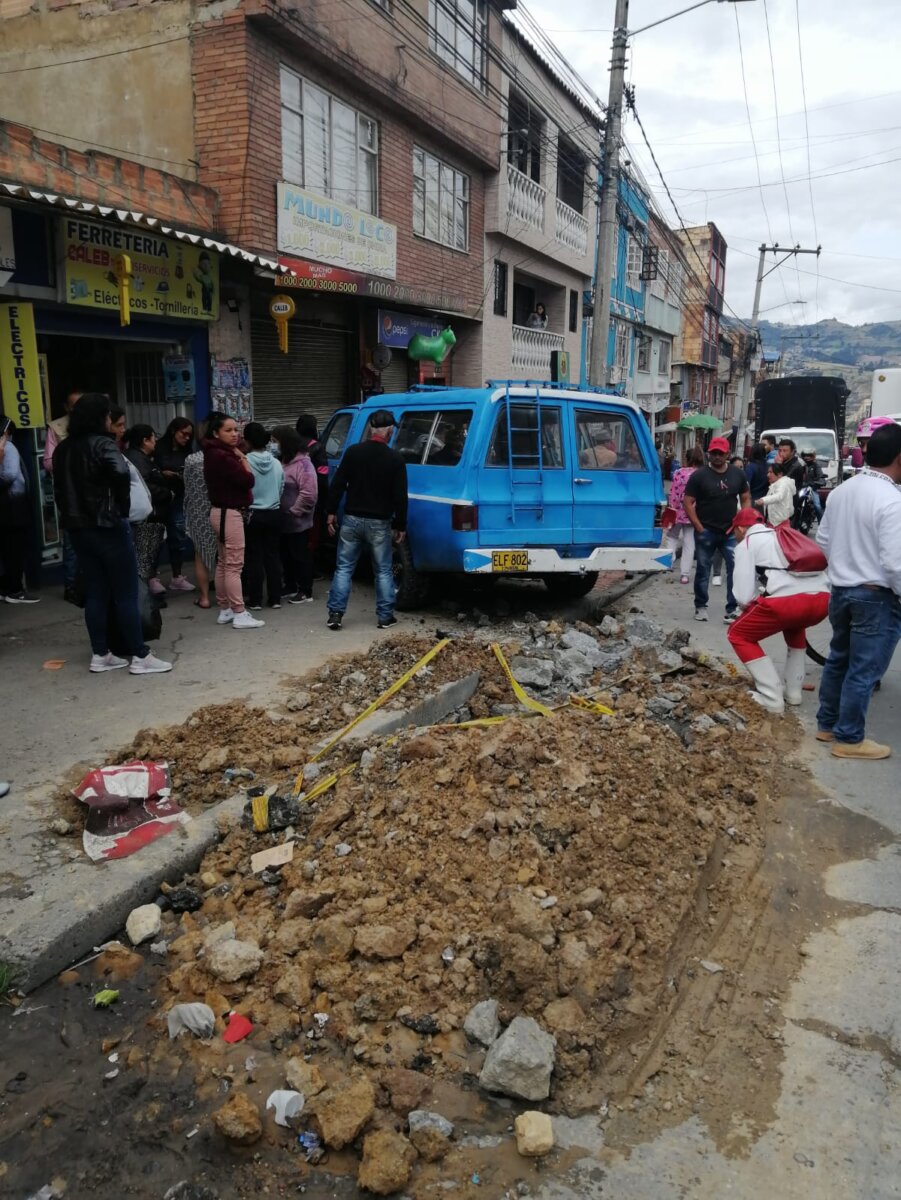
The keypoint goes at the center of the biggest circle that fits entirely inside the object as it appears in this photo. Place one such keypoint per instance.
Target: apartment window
(573, 311)
(458, 35)
(633, 264)
(500, 288)
(571, 167)
(621, 347)
(385, 4)
(327, 146)
(663, 358)
(440, 201)
(525, 134)
(659, 282)
(644, 353)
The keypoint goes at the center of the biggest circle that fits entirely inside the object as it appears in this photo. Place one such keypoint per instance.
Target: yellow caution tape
(329, 782)
(376, 704)
(533, 705)
(592, 706)
(259, 807)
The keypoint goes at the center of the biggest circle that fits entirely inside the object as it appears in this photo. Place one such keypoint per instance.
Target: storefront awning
(129, 217)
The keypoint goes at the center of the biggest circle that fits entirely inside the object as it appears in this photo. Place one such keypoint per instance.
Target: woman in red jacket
(229, 481)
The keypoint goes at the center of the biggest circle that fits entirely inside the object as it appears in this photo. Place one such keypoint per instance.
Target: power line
(65, 62)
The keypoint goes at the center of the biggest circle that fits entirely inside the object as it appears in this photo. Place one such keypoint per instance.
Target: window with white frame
(327, 146)
(633, 264)
(458, 34)
(621, 349)
(644, 353)
(440, 201)
(664, 353)
(659, 283)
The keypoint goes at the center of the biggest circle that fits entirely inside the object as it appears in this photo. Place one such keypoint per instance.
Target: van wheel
(571, 587)
(413, 587)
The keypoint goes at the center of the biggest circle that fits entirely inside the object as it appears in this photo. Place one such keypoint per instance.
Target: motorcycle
(805, 511)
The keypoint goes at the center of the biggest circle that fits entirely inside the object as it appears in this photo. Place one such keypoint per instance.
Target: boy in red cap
(791, 602)
(712, 496)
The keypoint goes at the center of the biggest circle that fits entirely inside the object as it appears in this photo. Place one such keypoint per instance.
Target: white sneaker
(225, 616)
(148, 666)
(107, 662)
(717, 581)
(244, 620)
(700, 614)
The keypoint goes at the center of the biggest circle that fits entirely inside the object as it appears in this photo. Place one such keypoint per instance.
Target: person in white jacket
(774, 600)
(779, 501)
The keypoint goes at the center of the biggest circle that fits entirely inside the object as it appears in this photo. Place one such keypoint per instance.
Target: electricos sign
(20, 377)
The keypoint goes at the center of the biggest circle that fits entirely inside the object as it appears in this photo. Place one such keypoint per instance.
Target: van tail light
(659, 510)
(464, 518)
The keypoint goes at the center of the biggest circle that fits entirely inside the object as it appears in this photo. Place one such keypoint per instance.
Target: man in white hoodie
(775, 600)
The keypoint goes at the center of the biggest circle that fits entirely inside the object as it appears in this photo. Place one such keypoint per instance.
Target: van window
(606, 442)
(524, 426)
(336, 434)
(434, 437)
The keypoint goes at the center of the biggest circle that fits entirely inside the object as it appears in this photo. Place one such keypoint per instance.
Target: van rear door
(525, 481)
(614, 484)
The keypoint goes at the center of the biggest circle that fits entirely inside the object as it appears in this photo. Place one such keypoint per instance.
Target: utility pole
(605, 259)
(741, 408)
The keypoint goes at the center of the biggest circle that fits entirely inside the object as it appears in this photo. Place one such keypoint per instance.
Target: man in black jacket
(374, 478)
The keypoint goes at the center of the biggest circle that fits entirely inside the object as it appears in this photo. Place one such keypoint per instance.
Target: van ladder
(524, 461)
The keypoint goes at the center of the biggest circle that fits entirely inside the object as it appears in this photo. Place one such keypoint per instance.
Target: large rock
(532, 672)
(343, 1112)
(234, 960)
(583, 642)
(294, 988)
(565, 1015)
(384, 941)
(430, 1134)
(306, 904)
(406, 1089)
(534, 1134)
(239, 1120)
(387, 1162)
(525, 917)
(304, 1077)
(329, 820)
(143, 923)
(482, 1024)
(641, 632)
(520, 1062)
(332, 940)
(214, 760)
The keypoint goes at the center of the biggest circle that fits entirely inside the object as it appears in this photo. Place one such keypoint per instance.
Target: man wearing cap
(860, 534)
(374, 478)
(712, 495)
(790, 603)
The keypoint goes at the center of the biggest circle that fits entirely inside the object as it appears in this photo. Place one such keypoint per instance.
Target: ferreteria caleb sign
(170, 278)
(319, 277)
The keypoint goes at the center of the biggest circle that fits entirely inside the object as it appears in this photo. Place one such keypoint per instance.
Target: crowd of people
(248, 505)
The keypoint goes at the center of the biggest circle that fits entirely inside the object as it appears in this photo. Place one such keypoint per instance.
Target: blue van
(518, 479)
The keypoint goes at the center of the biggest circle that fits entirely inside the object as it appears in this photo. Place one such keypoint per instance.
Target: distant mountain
(834, 348)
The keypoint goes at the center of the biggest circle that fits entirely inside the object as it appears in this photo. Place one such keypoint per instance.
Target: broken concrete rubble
(520, 1062)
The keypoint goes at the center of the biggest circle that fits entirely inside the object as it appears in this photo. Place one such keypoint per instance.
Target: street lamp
(605, 254)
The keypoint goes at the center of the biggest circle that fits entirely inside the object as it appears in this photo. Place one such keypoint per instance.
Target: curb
(81, 905)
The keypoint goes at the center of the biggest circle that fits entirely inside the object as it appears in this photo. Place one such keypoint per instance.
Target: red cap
(719, 444)
(744, 518)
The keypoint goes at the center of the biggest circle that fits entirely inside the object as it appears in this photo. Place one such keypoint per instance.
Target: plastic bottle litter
(198, 1019)
(287, 1104)
(311, 1145)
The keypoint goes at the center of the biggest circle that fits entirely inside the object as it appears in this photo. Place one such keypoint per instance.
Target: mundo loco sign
(314, 227)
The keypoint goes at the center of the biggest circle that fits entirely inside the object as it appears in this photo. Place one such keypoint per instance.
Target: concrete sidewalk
(837, 1127)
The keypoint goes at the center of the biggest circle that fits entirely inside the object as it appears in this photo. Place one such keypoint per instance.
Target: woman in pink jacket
(298, 505)
(683, 531)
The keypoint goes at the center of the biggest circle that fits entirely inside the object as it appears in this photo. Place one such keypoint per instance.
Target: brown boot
(864, 749)
(825, 735)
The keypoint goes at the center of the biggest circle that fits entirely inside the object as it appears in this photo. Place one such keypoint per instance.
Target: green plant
(10, 978)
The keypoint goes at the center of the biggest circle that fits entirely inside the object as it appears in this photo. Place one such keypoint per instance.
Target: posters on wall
(230, 388)
(20, 372)
(171, 278)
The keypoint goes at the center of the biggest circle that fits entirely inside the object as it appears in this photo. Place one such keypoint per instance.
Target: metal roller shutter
(312, 377)
(396, 377)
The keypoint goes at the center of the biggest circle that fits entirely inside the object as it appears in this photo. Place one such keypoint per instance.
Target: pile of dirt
(561, 865)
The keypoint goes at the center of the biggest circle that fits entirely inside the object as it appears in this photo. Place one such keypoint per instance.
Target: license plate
(510, 560)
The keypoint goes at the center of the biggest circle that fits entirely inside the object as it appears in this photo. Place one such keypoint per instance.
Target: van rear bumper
(544, 560)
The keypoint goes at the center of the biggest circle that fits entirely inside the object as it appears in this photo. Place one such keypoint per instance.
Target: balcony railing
(525, 199)
(532, 351)
(571, 229)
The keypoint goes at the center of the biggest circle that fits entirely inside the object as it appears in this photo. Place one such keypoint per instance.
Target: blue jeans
(866, 628)
(109, 569)
(70, 562)
(356, 534)
(178, 547)
(707, 543)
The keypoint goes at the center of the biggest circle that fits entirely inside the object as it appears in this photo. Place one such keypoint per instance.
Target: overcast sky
(688, 81)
